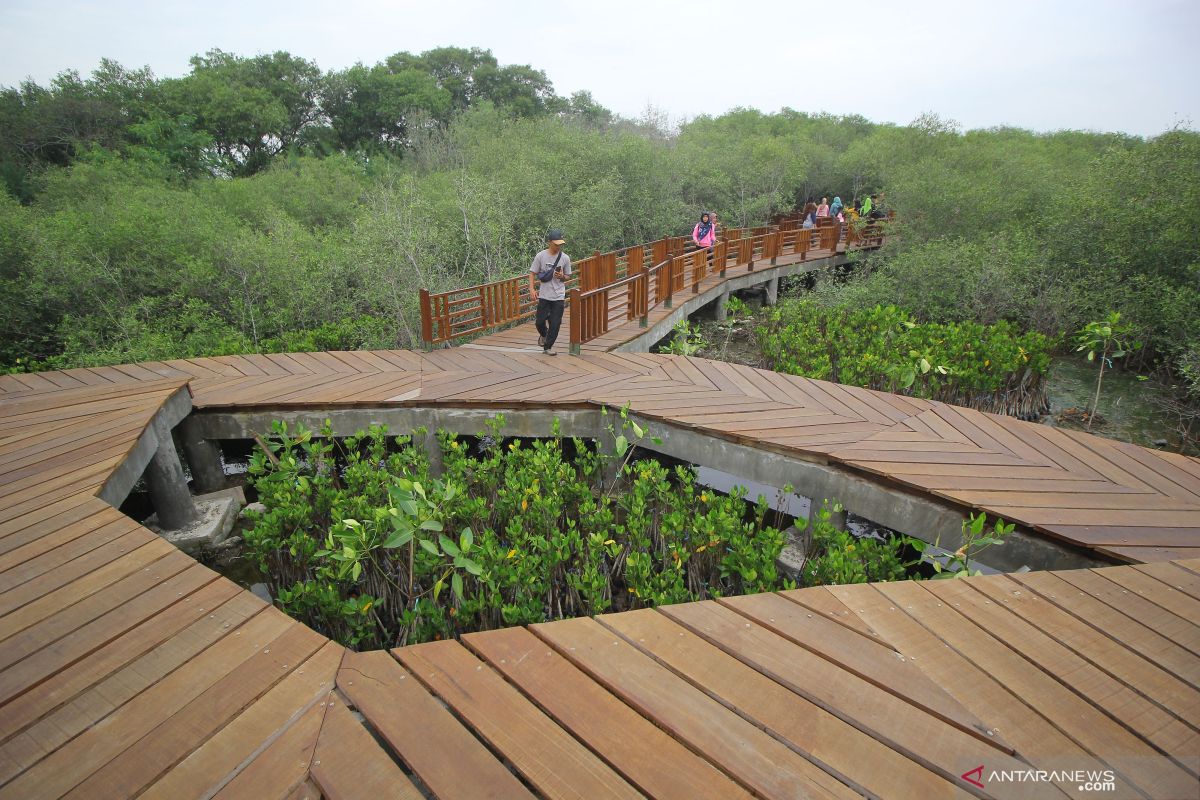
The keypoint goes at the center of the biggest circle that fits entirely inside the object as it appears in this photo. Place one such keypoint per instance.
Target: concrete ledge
(926, 518)
(122, 479)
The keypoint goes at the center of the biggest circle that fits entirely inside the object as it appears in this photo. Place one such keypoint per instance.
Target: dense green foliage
(837, 557)
(361, 544)
(258, 203)
(991, 367)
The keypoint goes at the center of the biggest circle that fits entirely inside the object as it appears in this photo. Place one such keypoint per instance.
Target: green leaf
(398, 539)
(637, 430)
(431, 525)
(448, 545)
(622, 445)
(437, 588)
(456, 583)
(430, 547)
(471, 566)
(466, 539)
(356, 570)
(352, 523)
(348, 551)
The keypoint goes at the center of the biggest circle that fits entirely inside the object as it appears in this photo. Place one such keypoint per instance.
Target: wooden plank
(1085, 723)
(48, 531)
(648, 758)
(216, 761)
(1146, 554)
(79, 567)
(1140, 674)
(1131, 634)
(1034, 736)
(1099, 584)
(757, 761)
(859, 760)
(875, 663)
(170, 741)
(1160, 729)
(421, 732)
(66, 684)
(349, 764)
(283, 766)
(821, 601)
(1176, 577)
(108, 693)
(549, 759)
(53, 602)
(27, 658)
(922, 737)
(70, 764)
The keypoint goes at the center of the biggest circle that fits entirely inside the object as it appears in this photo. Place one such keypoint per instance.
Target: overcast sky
(1093, 64)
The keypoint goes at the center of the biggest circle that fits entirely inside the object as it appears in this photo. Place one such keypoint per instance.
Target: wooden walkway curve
(127, 669)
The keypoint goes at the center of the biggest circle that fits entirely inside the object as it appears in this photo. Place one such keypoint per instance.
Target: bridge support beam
(433, 449)
(203, 458)
(168, 488)
(772, 292)
(721, 308)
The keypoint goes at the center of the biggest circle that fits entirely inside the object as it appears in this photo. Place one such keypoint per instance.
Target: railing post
(426, 321)
(643, 299)
(576, 307)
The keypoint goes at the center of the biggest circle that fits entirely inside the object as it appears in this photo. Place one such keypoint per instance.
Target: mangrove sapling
(1107, 339)
(735, 311)
(688, 341)
(975, 539)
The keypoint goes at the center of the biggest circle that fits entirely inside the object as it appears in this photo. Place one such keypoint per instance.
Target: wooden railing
(624, 285)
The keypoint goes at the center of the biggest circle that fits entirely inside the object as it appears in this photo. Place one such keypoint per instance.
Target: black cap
(555, 236)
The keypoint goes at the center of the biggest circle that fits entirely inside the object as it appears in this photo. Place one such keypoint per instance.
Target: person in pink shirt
(705, 233)
(823, 209)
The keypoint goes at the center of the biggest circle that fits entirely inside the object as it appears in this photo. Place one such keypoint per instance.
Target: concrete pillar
(720, 309)
(203, 458)
(168, 488)
(433, 449)
(772, 287)
(836, 518)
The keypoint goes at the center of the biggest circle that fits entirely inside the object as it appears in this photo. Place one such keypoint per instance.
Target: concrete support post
(433, 449)
(721, 308)
(168, 488)
(837, 518)
(772, 287)
(203, 458)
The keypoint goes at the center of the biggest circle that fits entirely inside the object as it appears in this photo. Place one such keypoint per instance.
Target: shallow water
(1126, 404)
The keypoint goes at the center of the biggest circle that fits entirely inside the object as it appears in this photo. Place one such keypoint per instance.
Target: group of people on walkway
(551, 266)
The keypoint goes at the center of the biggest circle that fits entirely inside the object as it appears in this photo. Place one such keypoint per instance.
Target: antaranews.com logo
(1087, 780)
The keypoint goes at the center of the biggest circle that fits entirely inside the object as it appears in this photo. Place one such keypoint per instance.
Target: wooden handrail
(673, 263)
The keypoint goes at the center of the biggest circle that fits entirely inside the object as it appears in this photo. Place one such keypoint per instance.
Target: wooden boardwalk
(127, 669)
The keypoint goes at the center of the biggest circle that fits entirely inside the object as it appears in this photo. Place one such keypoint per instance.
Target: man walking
(547, 283)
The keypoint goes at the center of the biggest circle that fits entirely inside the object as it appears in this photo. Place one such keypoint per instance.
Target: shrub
(992, 367)
(363, 545)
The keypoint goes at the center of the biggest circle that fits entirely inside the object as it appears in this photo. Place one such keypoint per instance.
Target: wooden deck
(127, 669)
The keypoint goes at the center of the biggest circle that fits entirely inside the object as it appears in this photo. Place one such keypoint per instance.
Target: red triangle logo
(977, 780)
